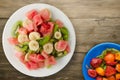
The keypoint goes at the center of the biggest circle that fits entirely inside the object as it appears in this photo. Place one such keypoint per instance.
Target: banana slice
(27, 56)
(26, 22)
(22, 38)
(57, 35)
(33, 45)
(34, 36)
(48, 48)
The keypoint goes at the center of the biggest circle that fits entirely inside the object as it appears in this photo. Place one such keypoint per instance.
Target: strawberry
(109, 71)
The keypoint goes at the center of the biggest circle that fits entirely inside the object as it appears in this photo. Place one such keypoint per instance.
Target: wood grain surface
(95, 21)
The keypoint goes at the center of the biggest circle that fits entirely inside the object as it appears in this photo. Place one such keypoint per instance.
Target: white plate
(9, 51)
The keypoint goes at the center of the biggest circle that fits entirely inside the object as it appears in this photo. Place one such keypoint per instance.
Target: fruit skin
(117, 56)
(15, 27)
(109, 71)
(99, 78)
(111, 78)
(96, 62)
(109, 57)
(92, 73)
(118, 67)
(117, 76)
(100, 71)
(30, 14)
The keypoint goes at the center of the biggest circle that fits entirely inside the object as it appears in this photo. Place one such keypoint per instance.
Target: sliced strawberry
(92, 73)
(109, 71)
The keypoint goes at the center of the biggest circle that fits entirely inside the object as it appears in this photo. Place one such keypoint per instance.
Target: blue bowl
(92, 53)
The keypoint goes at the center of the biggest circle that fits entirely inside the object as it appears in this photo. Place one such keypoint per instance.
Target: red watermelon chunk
(33, 57)
(30, 27)
(20, 56)
(44, 54)
(40, 58)
(37, 19)
(45, 14)
(67, 48)
(30, 14)
(32, 65)
(109, 71)
(41, 64)
(13, 41)
(50, 61)
(22, 30)
(60, 24)
(61, 45)
(47, 28)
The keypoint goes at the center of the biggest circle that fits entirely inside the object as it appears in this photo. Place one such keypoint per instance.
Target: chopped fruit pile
(39, 39)
(106, 66)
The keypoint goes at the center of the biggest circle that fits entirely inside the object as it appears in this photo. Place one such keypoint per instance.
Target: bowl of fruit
(102, 62)
(38, 40)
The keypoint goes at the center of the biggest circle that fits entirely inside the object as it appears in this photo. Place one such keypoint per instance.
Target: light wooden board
(95, 21)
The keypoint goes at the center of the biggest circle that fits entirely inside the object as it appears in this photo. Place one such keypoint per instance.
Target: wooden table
(95, 21)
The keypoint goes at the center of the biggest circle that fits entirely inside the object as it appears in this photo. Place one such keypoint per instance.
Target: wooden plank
(73, 69)
(82, 9)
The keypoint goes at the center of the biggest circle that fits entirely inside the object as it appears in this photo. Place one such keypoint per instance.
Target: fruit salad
(106, 66)
(39, 39)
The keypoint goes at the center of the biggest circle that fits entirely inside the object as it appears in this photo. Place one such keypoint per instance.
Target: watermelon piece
(13, 41)
(60, 24)
(37, 19)
(40, 58)
(28, 65)
(67, 48)
(20, 56)
(30, 14)
(22, 30)
(44, 54)
(33, 57)
(41, 64)
(32, 65)
(45, 14)
(50, 61)
(46, 28)
(30, 27)
(61, 45)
